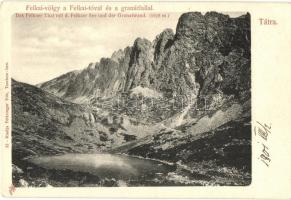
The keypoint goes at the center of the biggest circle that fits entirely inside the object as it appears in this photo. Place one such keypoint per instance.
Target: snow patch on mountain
(146, 92)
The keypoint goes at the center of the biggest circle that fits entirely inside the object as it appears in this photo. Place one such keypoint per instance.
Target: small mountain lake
(106, 166)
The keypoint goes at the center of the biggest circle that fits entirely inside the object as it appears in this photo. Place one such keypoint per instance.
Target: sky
(43, 49)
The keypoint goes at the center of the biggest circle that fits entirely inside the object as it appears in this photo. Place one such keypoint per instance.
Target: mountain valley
(182, 101)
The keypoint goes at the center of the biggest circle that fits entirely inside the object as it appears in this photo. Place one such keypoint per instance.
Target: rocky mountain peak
(140, 64)
(190, 25)
(208, 55)
(163, 41)
(118, 55)
(142, 44)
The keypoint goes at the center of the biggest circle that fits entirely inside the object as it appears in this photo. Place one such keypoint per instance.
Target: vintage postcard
(145, 99)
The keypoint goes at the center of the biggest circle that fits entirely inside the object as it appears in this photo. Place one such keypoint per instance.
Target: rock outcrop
(209, 54)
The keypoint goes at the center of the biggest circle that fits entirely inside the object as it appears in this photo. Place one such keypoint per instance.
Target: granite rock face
(209, 54)
(140, 65)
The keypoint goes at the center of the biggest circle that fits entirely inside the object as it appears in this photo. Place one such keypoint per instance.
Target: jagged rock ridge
(209, 54)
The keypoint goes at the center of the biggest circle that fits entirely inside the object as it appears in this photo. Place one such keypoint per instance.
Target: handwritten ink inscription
(263, 131)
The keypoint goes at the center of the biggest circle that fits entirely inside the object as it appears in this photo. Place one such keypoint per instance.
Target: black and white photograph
(132, 101)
